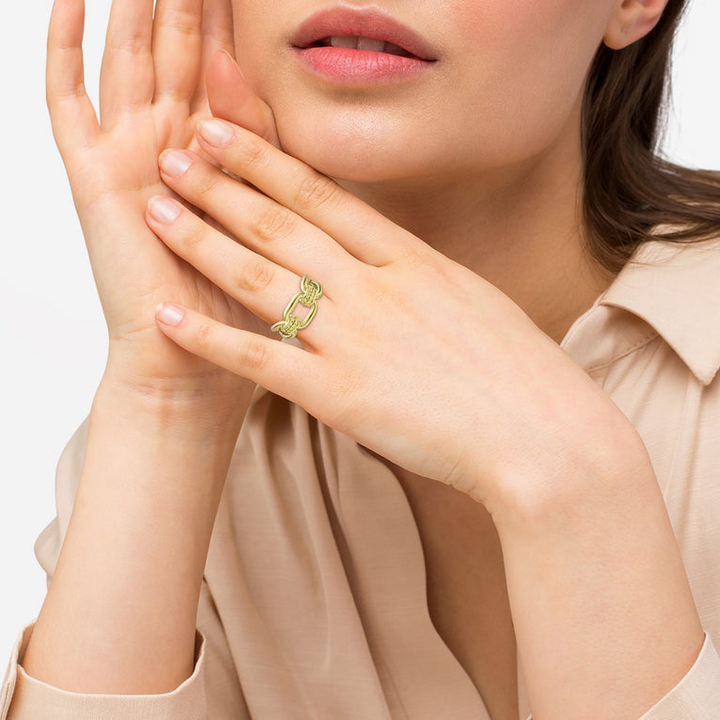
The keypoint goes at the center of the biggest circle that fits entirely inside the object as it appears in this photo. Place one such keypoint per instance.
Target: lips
(362, 30)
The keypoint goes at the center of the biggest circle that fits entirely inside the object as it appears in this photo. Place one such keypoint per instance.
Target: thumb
(231, 98)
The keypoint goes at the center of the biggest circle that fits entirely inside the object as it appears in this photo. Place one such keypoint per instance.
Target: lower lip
(360, 67)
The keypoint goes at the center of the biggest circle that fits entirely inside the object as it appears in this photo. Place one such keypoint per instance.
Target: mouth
(358, 42)
(362, 30)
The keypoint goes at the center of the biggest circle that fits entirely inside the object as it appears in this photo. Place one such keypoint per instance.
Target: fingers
(259, 222)
(232, 99)
(177, 48)
(127, 79)
(261, 285)
(360, 229)
(280, 367)
(72, 114)
(217, 32)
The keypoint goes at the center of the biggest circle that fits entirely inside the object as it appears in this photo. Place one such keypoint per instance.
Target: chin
(360, 151)
(342, 166)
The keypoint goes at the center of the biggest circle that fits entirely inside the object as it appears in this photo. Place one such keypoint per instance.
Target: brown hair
(629, 190)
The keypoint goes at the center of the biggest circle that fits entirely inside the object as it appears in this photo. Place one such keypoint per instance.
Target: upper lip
(372, 23)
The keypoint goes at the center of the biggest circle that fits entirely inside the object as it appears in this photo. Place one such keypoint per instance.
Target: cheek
(257, 44)
(528, 62)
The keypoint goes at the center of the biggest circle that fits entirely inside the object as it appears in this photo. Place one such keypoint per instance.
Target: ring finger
(258, 283)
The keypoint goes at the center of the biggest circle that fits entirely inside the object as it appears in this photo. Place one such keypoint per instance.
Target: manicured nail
(163, 209)
(216, 132)
(174, 163)
(169, 314)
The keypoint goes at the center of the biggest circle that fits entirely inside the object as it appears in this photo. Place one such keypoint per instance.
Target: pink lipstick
(360, 47)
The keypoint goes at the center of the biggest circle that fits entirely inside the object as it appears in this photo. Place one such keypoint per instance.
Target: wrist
(201, 412)
(172, 378)
(594, 562)
(584, 467)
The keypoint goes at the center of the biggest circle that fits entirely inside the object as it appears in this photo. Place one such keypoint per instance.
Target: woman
(444, 495)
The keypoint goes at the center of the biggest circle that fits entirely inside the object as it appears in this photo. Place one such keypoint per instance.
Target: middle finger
(258, 221)
(262, 286)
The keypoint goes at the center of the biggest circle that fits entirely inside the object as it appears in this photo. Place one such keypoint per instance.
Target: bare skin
(488, 431)
(157, 406)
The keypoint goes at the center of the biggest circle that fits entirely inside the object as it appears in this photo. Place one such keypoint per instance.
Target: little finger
(281, 368)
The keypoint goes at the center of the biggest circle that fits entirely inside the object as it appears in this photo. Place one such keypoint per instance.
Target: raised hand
(152, 96)
(411, 354)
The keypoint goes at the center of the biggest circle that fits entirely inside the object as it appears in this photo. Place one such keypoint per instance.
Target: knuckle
(204, 335)
(182, 22)
(275, 223)
(132, 43)
(205, 183)
(314, 192)
(72, 92)
(346, 385)
(253, 354)
(193, 239)
(255, 276)
(252, 152)
(412, 259)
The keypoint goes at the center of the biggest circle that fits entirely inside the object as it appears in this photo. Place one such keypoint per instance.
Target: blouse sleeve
(23, 697)
(697, 695)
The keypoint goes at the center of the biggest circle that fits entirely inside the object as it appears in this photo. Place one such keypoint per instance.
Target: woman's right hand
(152, 96)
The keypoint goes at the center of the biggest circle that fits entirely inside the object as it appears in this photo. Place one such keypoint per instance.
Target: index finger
(359, 228)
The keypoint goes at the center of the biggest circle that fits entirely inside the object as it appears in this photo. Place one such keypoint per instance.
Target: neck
(521, 229)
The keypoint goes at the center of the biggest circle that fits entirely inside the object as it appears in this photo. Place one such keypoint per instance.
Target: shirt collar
(675, 289)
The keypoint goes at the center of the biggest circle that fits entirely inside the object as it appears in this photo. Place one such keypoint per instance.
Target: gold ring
(310, 292)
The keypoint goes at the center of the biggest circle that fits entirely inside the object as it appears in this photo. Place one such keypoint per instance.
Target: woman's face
(505, 83)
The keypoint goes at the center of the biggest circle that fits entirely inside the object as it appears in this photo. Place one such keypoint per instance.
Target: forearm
(120, 612)
(604, 617)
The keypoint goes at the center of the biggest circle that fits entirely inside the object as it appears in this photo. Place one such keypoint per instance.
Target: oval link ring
(310, 292)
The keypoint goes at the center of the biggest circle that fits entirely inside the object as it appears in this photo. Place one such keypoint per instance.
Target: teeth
(365, 43)
(344, 42)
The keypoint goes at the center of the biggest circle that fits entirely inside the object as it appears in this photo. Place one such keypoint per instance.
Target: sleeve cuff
(697, 695)
(25, 698)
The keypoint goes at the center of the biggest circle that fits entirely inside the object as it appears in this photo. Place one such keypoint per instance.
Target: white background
(52, 336)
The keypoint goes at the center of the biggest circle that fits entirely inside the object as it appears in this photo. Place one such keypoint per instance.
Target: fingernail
(216, 132)
(174, 163)
(163, 209)
(169, 314)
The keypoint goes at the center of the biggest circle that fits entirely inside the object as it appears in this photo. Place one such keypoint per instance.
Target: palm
(148, 102)
(150, 272)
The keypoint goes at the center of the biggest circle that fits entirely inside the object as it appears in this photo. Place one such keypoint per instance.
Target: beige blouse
(313, 604)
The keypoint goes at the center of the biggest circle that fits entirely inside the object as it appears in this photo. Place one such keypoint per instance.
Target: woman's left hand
(411, 354)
